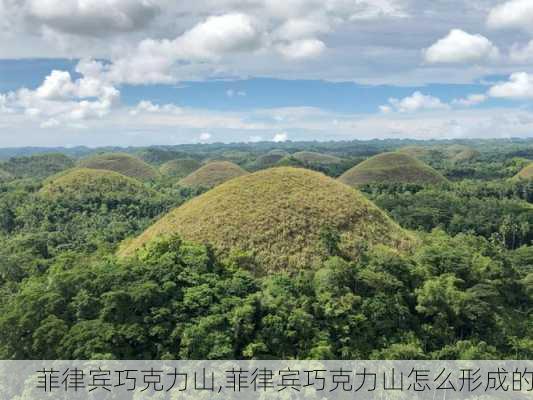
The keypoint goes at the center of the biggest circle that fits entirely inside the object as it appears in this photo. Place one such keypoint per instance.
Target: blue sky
(141, 72)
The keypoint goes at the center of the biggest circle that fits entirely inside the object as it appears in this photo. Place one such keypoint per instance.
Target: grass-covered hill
(37, 166)
(122, 163)
(525, 174)
(287, 218)
(212, 174)
(94, 183)
(311, 157)
(391, 168)
(179, 168)
(419, 152)
(269, 159)
(459, 153)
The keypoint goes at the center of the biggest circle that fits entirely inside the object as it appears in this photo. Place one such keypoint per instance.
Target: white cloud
(205, 136)
(416, 102)
(512, 14)
(461, 47)
(470, 100)
(93, 18)
(522, 54)
(302, 49)
(280, 137)
(519, 86)
(218, 35)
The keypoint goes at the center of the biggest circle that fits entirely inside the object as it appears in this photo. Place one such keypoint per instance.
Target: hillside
(179, 168)
(391, 168)
(122, 163)
(37, 166)
(212, 174)
(84, 182)
(269, 159)
(419, 152)
(310, 157)
(4, 175)
(525, 174)
(459, 154)
(281, 215)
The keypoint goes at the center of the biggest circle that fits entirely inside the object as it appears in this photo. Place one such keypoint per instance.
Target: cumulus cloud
(461, 47)
(280, 137)
(522, 54)
(302, 49)
(416, 102)
(519, 86)
(512, 14)
(93, 18)
(470, 100)
(205, 136)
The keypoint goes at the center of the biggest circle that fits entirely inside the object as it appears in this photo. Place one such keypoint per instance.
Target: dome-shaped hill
(122, 163)
(179, 168)
(269, 159)
(310, 157)
(416, 151)
(391, 168)
(91, 183)
(212, 174)
(525, 174)
(460, 153)
(280, 215)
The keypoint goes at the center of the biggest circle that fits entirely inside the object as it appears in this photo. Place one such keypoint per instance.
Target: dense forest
(461, 289)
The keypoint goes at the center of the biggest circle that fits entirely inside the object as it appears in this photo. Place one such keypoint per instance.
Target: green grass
(525, 174)
(84, 182)
(416, 151)
(310, 157)
(279, 214)
(122, 163)
(179, 168)
(212, 174)
(391, 168)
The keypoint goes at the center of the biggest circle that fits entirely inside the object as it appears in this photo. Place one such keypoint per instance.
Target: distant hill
(310, 157)
(179, 168)
(285, 216)
(84, 182)
(391, 168)
(525, 174)
(37, 166)
(268, 160)
(212, 174)
(122, 163)
(459, 153)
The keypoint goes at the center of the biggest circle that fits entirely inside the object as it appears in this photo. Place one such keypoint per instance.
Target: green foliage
(36, 167)
(179, 168)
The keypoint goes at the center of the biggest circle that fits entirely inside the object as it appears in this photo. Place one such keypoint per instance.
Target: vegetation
(5, 176)
(84, 183)
(283, 263)
(38, 166)
(179, 168)
(310, 157)
(268, 160)
(212, 174)
(122, 163)
(525, 174)
(391, 168)
(280, 217)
